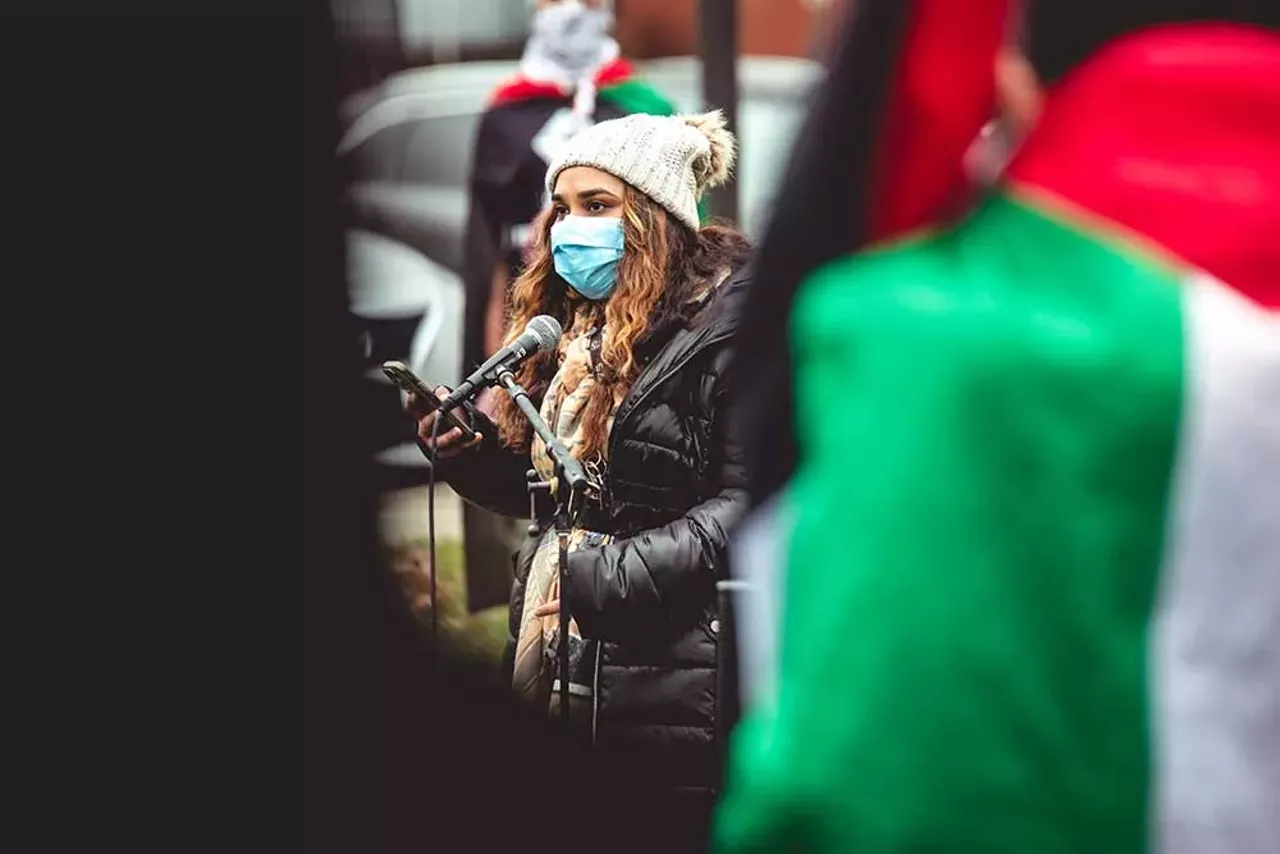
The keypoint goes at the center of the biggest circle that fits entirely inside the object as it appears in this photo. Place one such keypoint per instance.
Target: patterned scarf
(534, 677)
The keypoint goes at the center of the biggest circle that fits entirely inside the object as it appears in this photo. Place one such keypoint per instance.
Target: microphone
(542, 333)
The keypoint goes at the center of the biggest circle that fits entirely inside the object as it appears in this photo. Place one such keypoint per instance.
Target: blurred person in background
(571, 75)
(1019, 469)
(636, 391)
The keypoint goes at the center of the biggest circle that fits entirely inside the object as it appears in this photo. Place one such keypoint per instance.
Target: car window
(438, 151)
(416, 150)
(378, 157)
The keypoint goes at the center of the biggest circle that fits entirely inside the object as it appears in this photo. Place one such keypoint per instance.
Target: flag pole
(718, 45)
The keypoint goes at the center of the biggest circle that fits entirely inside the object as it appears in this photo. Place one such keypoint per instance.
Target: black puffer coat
(675, 487)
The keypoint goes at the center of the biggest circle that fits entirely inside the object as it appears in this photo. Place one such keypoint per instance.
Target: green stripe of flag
(636, 96)
(988, 420)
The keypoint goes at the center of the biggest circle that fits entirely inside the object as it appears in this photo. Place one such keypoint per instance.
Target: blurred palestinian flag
(1018, 474)
(616, 82)
(908, 89)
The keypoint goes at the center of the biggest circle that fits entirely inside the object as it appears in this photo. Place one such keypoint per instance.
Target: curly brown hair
(664, 263)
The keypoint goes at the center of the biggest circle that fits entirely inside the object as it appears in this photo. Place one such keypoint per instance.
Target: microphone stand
(570, 486)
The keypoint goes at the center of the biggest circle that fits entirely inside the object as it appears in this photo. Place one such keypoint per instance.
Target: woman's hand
(450, 442)
(547, 609)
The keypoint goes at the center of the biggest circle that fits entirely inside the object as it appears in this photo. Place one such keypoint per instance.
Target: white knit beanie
(671, 159)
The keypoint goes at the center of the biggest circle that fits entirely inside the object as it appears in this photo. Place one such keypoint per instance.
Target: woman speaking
(636, 391)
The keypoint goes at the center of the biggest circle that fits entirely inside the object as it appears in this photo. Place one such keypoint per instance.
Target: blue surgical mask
(586, 251)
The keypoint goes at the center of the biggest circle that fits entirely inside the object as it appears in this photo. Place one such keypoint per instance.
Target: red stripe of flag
(1174, 134)
(942, 93)
(524, 89)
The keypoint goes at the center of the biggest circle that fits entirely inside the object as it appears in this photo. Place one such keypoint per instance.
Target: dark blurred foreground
(177, 220)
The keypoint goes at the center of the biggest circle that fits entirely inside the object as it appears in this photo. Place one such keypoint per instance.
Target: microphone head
(542, 333)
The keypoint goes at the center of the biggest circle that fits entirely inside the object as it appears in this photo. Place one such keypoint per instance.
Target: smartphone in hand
(407, 381)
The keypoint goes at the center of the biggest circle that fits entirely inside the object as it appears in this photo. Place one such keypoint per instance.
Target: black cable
(431, 532)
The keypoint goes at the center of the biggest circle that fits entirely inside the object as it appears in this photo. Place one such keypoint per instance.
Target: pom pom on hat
(671, 159)
(722, 148)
